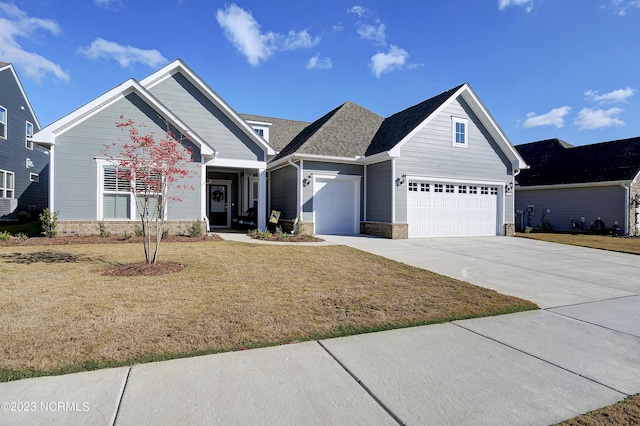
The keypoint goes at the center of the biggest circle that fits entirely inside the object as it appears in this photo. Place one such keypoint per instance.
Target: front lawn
(59, 314)
(620, 244)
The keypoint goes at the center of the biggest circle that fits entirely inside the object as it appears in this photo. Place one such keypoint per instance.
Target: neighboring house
(23, 165)
(440, 168)
(230, 158)
(574, 187)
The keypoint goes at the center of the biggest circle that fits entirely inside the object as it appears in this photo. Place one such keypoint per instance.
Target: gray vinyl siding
(604, 202)
(379, 181)
(314, 167)
(283, 184)
(209, 122)
(430, 153)
(75, 168)
(13, 152)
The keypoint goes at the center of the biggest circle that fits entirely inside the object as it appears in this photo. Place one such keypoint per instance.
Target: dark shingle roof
(345, 131)
(399, 125)
(555, 162)
(281, 131)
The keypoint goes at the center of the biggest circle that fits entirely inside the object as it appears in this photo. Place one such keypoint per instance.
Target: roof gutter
(574, 185)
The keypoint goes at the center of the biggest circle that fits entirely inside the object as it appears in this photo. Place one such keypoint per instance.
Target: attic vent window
(260, 132)
(459, 132)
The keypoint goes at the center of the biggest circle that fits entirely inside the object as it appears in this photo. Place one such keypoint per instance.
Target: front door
(218, 205)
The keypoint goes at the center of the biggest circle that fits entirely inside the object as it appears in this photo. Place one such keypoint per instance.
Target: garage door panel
(336, 206)
(452, 210)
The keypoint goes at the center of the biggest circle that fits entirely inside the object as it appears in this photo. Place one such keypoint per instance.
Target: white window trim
(28, 138)
(101, 164)
(6, 123)
(3, 187)
(454, 121)
(34, 177)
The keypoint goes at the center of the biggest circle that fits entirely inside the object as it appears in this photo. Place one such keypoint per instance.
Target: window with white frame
(459, 132)
(116, 194)
(253, 200)
(7, 184)
(494, 190)
(449, 189)
(424, 187)
(437, 187)
(462, 189)
(473, 190)
(3, 122)
(484, 190)
(413, 186)
(29, 136)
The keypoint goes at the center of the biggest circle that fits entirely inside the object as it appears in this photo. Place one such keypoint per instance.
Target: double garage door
(437, 209)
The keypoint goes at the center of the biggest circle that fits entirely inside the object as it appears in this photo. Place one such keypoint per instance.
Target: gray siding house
(440, 168)
(24, 166)
(229, 157)
(580, 188)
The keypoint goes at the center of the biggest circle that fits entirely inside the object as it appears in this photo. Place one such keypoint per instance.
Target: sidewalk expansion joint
(363, 386)
(592, 323)
(121, 396)
(543, 360)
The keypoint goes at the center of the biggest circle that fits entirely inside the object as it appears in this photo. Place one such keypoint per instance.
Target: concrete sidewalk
(537, 367)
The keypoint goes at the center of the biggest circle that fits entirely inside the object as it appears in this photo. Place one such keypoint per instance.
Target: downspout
(364, 212)
(298, 188)
(627, 207)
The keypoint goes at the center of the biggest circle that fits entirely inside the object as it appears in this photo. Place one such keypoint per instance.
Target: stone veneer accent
(634, 191)
(510, 229)
(287, 226)
(90, 227)
(394, 231)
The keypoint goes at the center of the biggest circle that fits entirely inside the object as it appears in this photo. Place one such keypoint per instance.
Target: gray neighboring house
(229, 157)
(440, 168)
(573, 187)
(24, 166)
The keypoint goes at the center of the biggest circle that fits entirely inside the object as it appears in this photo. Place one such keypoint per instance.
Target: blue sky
(543, 68)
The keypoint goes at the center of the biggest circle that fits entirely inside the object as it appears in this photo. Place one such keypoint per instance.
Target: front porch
(230, 191)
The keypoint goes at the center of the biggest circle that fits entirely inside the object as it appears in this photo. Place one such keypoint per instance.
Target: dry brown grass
(626, 412)
(58, 310)
(620, 244)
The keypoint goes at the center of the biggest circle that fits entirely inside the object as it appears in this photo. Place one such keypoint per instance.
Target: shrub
(528, 229)
(195, 229)
(298, 226)
(49, 222)
(22, 237)
(126, 236)
(282, 236)
(137, 230)
(165, 234)
(104, 232)
(5, 236)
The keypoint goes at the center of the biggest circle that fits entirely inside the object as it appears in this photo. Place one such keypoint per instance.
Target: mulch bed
(144, 269)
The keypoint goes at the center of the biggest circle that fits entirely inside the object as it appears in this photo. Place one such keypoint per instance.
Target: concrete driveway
(539, 367)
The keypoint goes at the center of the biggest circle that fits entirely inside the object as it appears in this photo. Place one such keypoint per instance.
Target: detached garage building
(439, 168)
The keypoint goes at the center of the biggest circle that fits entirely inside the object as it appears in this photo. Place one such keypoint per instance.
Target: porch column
(262, 198)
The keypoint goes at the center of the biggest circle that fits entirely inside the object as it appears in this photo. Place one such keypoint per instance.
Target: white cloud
(242, 29)
(589, 119)
(109, 3)
(15, 23)
(382, 63)
(372, 32)
(318, 63)
(619, 95)
(527, 4)
(555, 117)
(124, 55)
(358, 10)
(298, 40)
(620, 7)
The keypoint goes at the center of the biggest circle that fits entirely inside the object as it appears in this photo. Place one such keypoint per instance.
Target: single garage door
(445, 209)
(336, 203)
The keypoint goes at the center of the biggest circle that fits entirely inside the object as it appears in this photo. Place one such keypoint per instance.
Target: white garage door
(446, 209)
(336, 203)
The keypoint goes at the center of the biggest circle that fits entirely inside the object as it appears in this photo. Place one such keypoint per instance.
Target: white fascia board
(48, 135)
(179, 66)
(379, 157)
(259, 123)
(313, 157)
(238, 164)
(24, 94)
(574, 185)
(492, 127)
